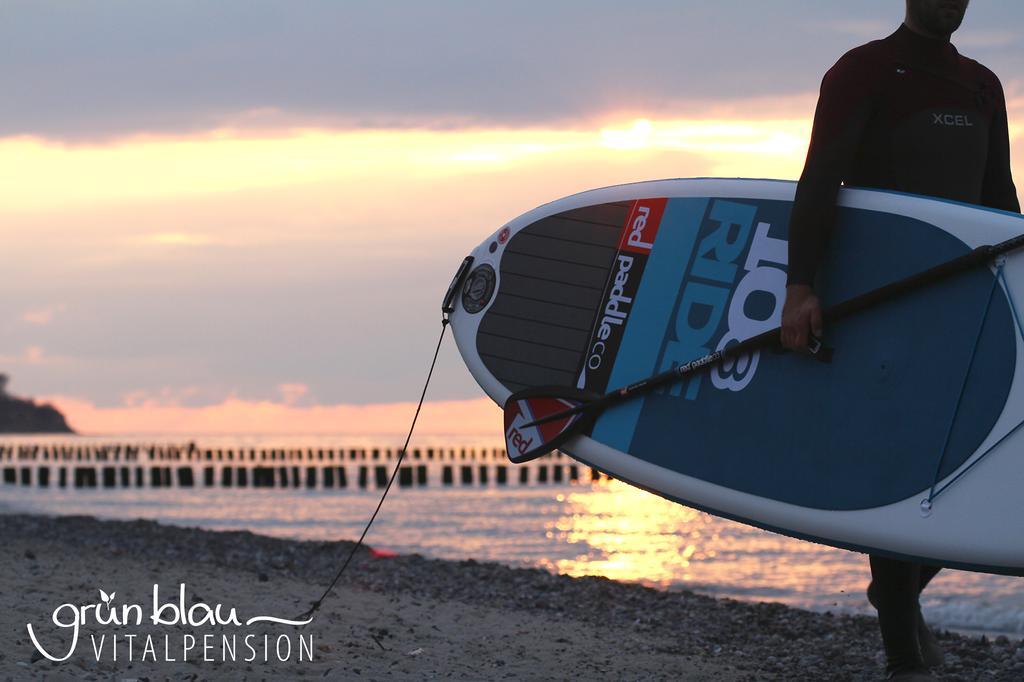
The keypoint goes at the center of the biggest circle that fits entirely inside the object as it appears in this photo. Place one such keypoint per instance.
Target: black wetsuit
(906, 113)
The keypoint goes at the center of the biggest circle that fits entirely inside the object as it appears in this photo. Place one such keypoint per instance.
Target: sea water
(608, 529)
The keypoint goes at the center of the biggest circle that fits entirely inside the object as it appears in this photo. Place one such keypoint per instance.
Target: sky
(241, 216)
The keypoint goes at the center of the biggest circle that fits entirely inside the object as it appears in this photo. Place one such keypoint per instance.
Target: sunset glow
(134, 169)
(236, 416)
(186, 188)
(200, 212)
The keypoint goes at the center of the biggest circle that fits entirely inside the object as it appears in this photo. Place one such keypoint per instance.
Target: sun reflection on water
(623, 533)
(606, 529)
(627, 534)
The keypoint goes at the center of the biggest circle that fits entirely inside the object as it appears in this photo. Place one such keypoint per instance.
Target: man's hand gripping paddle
(540, 419)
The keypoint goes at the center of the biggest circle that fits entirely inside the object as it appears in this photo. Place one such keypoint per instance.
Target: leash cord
(394, 474)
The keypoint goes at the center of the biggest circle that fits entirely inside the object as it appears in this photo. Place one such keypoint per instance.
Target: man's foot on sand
(931, 650)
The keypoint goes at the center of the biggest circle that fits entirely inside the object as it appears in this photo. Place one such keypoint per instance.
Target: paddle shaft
(978, 256)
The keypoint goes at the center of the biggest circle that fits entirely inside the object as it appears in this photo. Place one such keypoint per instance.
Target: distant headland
(22, 415)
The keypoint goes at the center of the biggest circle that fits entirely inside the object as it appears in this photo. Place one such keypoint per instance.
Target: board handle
(448, 304)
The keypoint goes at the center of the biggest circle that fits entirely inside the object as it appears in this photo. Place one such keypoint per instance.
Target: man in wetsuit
(906, 113)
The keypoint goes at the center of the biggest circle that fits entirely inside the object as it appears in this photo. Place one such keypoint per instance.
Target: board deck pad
(600, 296)
(553, 274)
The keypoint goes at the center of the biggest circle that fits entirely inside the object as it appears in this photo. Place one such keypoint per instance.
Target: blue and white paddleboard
(919, 402)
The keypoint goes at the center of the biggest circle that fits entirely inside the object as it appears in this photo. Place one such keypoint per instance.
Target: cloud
(234, 416)
(178, 239)
(968, 38)
(42, 316)
(291, 394)
(147, 169)
(116, 67)
(333, 284)
(233, 238)
(167, 396)
(862, 29)
(33, 355)
(985, 39)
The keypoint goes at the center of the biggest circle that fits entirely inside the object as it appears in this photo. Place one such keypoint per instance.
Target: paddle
(539, 419)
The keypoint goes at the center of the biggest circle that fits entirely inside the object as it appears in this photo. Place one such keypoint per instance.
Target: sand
(405, 617)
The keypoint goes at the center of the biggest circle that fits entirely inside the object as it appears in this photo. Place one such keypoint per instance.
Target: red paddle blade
(524, 443)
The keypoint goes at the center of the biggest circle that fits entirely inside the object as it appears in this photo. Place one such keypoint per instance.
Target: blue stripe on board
(651, 315)
(865, 430)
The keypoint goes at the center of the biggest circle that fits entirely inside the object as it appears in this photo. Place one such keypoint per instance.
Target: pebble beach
(409, 617)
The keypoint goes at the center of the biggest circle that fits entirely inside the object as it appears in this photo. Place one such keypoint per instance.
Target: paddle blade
(524, 443)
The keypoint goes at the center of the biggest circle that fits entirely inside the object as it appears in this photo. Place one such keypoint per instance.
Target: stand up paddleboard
(902, 440)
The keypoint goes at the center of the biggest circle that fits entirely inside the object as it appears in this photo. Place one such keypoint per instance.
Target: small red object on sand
(382, 553)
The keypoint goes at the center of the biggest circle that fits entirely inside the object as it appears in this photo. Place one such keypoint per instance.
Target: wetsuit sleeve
(844, 106)
(998, 190)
